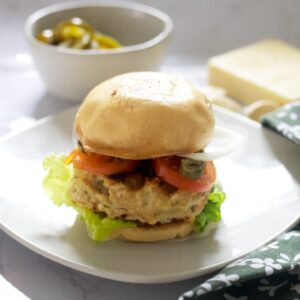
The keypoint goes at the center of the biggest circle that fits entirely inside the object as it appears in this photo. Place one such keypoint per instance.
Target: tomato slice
(168, 168)
(100, 164)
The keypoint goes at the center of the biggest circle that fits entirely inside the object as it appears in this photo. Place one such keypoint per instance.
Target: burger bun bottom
(154, 233)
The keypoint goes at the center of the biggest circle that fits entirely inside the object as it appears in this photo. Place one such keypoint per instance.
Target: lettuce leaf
(56, 184)
(212, 210)
(57, 181)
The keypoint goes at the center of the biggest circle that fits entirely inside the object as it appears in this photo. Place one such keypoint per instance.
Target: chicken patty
(135, 197)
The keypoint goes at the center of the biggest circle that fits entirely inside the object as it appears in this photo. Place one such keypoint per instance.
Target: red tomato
(168, 169)
(100, 164)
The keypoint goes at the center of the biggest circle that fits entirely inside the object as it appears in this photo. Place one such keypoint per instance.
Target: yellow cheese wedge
(269, 69)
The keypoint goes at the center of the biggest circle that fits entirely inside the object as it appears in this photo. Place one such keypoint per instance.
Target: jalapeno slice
(192, 168)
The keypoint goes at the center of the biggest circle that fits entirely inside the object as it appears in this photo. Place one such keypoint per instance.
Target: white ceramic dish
(70, 73)
(261, 180)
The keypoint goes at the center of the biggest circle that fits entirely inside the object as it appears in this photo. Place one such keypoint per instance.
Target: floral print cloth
(285, 120)
(271, 272)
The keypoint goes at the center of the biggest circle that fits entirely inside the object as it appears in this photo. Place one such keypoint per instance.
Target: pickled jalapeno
(77, 34)
(192, 168)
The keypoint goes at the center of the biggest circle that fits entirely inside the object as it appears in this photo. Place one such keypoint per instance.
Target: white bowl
(70, 73)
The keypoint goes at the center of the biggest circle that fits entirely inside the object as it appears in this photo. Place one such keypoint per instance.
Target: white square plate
(261, 180)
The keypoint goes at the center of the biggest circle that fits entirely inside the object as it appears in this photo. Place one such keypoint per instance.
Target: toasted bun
(144, 115)
(156, 233)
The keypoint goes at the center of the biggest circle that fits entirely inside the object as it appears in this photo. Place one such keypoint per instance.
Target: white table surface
(202, 28)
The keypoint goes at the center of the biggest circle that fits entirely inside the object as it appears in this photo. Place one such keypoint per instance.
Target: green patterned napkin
(271, 272)
(285, 120)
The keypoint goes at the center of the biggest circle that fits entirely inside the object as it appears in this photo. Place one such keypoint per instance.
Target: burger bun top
(144, 115)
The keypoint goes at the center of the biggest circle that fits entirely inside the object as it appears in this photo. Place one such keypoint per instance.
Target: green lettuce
(57, 181)
(56, 184)
(212, 210)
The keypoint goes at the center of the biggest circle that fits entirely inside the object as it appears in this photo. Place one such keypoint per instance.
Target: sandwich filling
(110, 193)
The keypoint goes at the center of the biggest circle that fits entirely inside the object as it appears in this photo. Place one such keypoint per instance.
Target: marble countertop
(24, 99)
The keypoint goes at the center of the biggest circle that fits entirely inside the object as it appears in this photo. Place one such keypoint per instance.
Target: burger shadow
(284, 150)
(115, 255)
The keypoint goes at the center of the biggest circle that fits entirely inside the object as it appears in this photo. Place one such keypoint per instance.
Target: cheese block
(269, 69)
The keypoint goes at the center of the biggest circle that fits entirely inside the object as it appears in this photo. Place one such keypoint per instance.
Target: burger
(129, 176)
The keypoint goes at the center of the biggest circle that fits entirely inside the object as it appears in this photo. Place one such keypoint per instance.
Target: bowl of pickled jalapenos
(77, 45)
